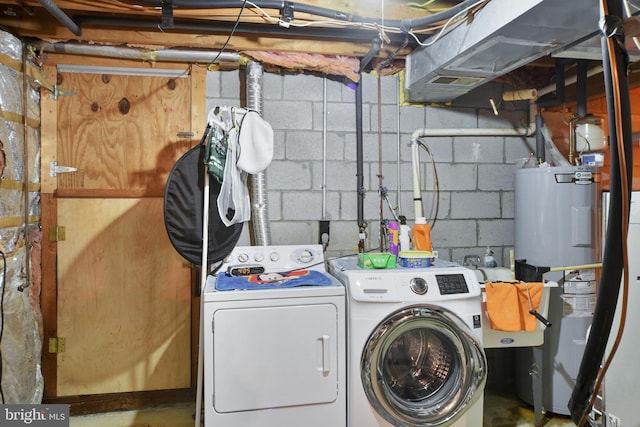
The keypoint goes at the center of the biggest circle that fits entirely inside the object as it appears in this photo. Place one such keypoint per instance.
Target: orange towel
(508, 305)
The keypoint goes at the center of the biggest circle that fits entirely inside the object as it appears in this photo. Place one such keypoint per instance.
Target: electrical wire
(424, 6)
(4, 282)
(454, 19)
(233, 30)
(435, 206)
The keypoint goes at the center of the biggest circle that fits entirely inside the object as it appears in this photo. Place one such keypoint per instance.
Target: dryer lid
(423, 366)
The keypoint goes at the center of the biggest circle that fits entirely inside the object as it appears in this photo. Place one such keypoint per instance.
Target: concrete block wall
(315, 166)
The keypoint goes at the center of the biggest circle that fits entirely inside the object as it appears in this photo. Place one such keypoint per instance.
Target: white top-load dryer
(274, 348)
(414, 354)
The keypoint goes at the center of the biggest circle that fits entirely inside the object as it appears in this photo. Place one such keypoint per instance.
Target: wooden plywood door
(123, 299)
(123, 293)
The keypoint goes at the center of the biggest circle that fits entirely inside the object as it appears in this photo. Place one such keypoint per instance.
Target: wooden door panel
(124, 299)
(121, 132)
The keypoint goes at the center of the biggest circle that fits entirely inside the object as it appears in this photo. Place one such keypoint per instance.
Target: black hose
(612, 262)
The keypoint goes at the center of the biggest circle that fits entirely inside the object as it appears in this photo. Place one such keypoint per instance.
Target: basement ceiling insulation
(448, 47)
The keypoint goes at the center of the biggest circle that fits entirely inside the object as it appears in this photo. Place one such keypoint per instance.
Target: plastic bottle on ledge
(393, 237)
(422, 235)
(489, 260)
(404, 236)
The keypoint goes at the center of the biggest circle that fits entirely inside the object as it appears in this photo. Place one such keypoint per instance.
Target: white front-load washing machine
(414, 352)
(274, 340)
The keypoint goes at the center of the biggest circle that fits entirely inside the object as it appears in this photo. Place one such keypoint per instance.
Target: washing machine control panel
(275, 258)
(450, 284)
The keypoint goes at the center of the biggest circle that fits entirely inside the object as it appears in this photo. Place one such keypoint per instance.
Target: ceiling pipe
(345, 34)
(569, 80)
(263, 4)
(519, 131)
(163, 55)
(350, 34)
(405, 24)
(360, 190)
(62, 17)
(581, 87)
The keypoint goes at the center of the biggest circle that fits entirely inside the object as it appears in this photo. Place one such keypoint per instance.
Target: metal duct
(258, 182)
(501, 37)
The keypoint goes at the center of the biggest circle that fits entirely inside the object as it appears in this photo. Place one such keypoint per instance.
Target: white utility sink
(495, 274)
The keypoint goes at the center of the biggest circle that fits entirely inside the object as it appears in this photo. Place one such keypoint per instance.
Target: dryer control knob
(305, 256)
(243, 257)
(419, 285)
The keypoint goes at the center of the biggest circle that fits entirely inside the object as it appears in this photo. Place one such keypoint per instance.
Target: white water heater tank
(557, 213)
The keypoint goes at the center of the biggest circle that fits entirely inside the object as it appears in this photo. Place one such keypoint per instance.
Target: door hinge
(57, 345)
(54, 169)
(57, 233)
(58, 92)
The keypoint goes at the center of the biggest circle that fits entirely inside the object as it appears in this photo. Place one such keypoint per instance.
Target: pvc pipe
(520, 131)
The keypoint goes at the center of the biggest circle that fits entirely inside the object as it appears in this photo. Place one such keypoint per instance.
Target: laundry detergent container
(557, 219)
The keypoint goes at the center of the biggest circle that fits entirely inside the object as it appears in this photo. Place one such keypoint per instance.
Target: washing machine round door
(422, 366)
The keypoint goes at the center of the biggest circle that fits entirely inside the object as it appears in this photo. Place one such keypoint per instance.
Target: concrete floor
(170, 416)
(502, 411)
(499, 411)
